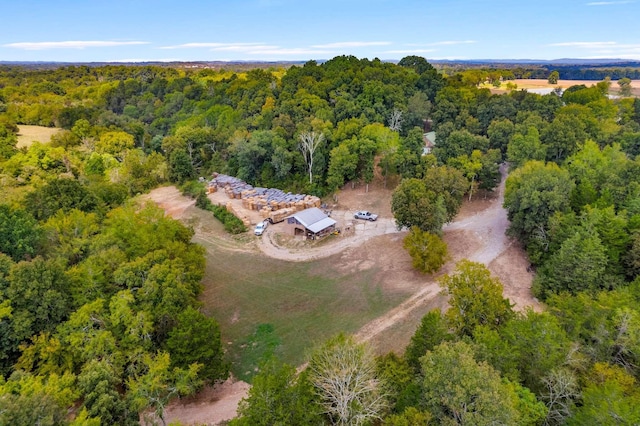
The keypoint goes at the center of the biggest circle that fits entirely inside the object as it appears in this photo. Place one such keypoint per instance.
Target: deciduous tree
(309, 143)
(476, 298)
(344, 375)
(413, 204)
(428, 252)
(458, 390)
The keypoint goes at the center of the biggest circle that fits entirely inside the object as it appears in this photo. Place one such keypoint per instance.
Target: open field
(270, 305)
(544, 84)
(28, 134)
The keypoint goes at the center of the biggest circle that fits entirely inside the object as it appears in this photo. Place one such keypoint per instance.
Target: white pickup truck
(260, 227)
(365, 215)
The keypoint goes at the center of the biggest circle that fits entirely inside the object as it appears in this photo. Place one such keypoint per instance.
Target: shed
(429, 139)
(312, 223)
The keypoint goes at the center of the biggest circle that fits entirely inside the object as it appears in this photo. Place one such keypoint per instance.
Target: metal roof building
(312, 221)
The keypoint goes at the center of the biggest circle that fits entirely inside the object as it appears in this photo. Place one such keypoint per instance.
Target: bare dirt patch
(211, 406)
(476, 234)
(28, 134)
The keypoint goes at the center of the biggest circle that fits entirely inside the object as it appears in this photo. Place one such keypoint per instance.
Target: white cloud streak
(609, 3)
(586, 44)
(445, 43)
(47, 45)
(343, 44)
(604, 49)
(211, 45)
(410, 51)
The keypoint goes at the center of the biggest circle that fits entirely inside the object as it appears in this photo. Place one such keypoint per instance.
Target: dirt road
(477, 234)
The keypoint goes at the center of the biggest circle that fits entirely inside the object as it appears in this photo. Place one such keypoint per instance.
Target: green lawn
(265, 305)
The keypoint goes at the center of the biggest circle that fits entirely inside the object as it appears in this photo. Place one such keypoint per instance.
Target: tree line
(99, 297)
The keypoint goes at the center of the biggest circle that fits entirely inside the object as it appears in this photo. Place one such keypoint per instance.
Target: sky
(301, 30)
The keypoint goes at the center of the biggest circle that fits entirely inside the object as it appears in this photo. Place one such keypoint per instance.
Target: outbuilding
(311, 223)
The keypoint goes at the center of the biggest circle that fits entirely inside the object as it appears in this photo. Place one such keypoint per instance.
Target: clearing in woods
(279, 294)
(28, 134)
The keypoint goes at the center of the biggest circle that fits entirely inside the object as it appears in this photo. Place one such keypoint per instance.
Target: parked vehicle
(365, 215)
(260, 227)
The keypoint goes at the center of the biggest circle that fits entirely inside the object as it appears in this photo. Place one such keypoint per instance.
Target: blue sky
(198, 30)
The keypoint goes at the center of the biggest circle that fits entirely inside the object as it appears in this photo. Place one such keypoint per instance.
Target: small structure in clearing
(429, 139)
(311, 223)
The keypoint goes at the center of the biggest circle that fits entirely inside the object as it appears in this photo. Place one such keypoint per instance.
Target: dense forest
(100, 319)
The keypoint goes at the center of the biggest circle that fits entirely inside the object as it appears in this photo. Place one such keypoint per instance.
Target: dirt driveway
(477, 233)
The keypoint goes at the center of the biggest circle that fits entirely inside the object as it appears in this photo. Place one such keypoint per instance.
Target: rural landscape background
(183, 195)
(499, 282)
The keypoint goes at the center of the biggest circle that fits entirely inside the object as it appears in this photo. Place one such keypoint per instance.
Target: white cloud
(259, 49)
(45, 45)
(604, 49)
(445, 43)
(452, 42)
(410, 51)
(609, 3)
(289, 52)
(586, 44)
(210, 45)
(351, 44)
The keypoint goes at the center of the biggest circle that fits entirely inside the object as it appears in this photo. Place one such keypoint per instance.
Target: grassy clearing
(28, 134)
(269, 306)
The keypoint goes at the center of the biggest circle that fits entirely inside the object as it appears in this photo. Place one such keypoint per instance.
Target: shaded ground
(476, 234)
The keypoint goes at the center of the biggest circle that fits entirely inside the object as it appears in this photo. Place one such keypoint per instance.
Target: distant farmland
(544, 84)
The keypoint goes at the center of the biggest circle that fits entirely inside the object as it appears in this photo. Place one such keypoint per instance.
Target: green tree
(449, 183)
(413, 204)
(196, 339)
(98, 382)
(60, 194)
(500, 132)
(39, 294)
(180, 167)
(69, 235)
(579, 265)
(523, 148)
(342, 166)
(554, 76)
(158, 383)
(475, 298)
(625, 86)
(428, 252)
(459, 143)
(19, 233)
(115, 143)
(432, 331)
(458, 390)
(533, 194)
(536, 343)
(563, 136)
(610, 397)
(278, 396)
